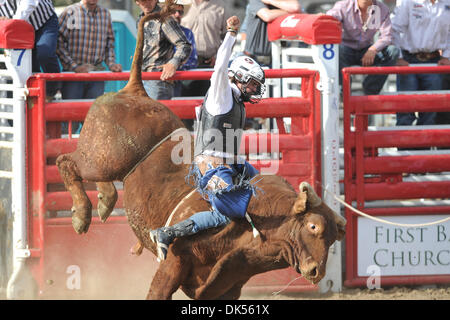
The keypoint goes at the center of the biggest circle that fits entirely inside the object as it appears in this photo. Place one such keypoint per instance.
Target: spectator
(86, 40)
(41, 15)
(207, 20)
(243, 33)
(361, 20)
(258, 15)
(160, 39)
(219, 174)
(420, 30)
(239, 51)
(192, 61)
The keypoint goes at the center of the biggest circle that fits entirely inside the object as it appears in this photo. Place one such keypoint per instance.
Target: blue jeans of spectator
(208, 219)
(372, 84)
(159, 90)
(417, 82)
(44, 57)
(81, 90)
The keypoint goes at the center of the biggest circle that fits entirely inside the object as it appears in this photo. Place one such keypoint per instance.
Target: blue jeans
(80, 90)
(44, 58)
(417, 82)
(372, 84)
(208, 219)
(159, 90)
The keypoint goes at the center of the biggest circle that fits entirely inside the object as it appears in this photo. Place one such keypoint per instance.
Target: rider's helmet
(243, 69)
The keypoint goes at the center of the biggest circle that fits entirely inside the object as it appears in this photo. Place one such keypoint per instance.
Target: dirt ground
(430, 292)
(426, 292)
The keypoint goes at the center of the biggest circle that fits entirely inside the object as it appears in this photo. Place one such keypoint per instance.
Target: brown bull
(296, 230)
(119, 131)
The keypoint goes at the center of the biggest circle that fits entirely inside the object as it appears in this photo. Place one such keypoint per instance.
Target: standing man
(160, 39)
(207, 20)
(258, 14)
(361, 20)
(421, 29)
(220, 174)
(41, 15)
(192, 61)
(86, 40)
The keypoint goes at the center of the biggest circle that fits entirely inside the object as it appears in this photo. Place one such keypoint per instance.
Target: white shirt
(420, 26)
(219, 99)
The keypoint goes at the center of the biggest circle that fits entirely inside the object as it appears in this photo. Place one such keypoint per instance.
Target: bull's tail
(134, 84)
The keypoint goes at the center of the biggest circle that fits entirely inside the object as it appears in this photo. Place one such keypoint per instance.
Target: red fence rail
(52, 237)
(370, 176)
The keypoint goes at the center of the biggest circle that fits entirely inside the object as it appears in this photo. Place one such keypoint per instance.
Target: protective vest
(220, 133)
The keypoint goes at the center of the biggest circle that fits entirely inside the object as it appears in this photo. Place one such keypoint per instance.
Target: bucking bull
(119, 131)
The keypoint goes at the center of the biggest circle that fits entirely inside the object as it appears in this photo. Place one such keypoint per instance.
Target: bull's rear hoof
(105, 205)
(103, 211)
(137, 249)
(79, 225)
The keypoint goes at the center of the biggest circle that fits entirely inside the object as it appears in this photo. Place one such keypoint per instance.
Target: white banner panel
(404, 250)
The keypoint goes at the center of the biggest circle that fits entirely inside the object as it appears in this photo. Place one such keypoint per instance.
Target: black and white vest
(220, 135)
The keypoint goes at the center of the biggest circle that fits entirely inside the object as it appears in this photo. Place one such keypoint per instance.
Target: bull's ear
(300, 203)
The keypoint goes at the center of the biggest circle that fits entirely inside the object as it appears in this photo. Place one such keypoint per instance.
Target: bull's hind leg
(107, 197)
(82, 206)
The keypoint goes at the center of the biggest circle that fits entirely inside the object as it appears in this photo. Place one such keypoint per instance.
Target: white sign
(401, 250)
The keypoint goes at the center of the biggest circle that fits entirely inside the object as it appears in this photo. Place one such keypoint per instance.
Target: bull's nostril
(314, 272)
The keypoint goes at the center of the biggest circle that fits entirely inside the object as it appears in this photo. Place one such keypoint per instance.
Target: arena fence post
(17, 60)
(323, 34)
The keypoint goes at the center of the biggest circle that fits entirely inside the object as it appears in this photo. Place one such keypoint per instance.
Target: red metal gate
(371, 176)
(101, 257)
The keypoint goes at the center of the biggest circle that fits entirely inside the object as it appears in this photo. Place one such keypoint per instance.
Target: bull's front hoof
(104, 207)
(79, 224)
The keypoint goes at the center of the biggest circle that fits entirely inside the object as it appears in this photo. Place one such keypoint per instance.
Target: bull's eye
(313, 227)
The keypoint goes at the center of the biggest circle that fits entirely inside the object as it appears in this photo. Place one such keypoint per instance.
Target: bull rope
(151, 150)
(383, 220)
(176, 208)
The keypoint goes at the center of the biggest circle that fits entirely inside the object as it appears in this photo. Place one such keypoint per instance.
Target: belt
(426, 56)
(99, 67)
(204, 61)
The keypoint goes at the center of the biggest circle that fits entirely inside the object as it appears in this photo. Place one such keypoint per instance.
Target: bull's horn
(313, 198)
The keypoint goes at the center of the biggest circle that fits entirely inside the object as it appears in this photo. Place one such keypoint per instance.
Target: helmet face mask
(252, 90)
(244, 69)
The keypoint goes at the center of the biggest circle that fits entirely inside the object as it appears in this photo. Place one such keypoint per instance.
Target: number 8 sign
(328, 52)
